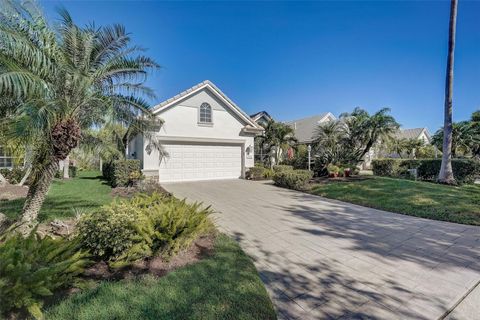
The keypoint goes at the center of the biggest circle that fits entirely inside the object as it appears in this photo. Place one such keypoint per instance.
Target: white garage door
(190, 162)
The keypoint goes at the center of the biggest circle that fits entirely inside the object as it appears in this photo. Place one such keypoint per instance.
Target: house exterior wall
(181, 123)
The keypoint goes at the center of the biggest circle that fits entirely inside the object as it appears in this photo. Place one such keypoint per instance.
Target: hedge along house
(205, 136)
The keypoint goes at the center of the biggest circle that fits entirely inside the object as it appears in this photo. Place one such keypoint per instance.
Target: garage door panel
(200, 162)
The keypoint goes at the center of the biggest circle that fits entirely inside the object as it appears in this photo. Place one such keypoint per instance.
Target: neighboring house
(415, 133)
(378, 152)
(261, 118)
(6, 160)
(305, 129)
(205, 134)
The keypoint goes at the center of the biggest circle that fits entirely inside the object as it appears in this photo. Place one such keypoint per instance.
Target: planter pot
(346, 173)
(333, 174)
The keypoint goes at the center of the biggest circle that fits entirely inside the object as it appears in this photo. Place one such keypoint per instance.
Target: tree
(349, 139)
(277, 138)
(465, 139)
(64, 80)
(363, 130)
(446, 171)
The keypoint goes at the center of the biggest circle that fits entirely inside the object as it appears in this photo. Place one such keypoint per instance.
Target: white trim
(200, 140)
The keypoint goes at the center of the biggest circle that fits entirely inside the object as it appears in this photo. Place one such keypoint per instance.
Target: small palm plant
(64, 80)
(277, 138)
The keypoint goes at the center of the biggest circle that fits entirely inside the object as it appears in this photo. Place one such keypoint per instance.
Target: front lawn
(422, 199)
(223, 286)
(84, 192)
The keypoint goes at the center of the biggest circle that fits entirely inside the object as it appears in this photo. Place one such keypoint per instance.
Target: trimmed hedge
(464, 170)
(292, 179)
(118, 173)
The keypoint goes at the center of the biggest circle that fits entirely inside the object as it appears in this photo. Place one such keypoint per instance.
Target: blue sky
(296, 59)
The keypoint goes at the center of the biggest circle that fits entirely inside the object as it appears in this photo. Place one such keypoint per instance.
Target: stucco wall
(181, 120)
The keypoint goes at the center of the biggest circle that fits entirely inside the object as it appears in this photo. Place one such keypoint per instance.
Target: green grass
(460, 204)
(84, 192)
(223, 286)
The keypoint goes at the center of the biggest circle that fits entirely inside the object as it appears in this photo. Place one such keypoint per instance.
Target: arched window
(205, 113)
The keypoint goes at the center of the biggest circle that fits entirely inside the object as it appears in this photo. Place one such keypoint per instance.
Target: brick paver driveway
(323, 259)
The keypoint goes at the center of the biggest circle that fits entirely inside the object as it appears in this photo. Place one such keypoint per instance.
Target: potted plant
(333, 170)
(347, 172)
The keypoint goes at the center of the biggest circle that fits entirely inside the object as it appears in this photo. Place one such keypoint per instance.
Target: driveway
(326, 259)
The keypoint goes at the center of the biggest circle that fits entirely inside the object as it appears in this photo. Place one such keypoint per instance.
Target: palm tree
(64, 80)
(446, 171)
(364, 130)
(464, 141)
(277, 138)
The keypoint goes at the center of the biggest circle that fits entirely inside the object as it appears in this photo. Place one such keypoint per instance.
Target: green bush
(281, 167)
(299, 159)
(256, 173)
(464, 170)
(385, 167)
(292, 179)
(72, 171)
(32, 268)
(119, 172)
(128, 230)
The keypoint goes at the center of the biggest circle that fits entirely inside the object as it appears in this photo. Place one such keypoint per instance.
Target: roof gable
(206, 85)
(413, 133)
(305, 128)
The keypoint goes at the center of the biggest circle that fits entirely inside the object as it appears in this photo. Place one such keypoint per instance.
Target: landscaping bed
(144, 255)
(460, 204)
(224, 285)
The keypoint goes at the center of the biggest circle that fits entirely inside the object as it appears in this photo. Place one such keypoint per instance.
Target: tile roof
(305, 128)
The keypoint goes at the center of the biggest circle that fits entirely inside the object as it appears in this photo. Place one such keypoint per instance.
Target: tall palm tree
(277, 138)
(446, 171)
(65, 80)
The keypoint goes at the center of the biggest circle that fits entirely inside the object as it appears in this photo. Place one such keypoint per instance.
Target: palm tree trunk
(66, 167)
(446, 171)
(36, 196)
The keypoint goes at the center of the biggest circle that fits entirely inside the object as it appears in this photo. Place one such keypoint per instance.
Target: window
(205, 113)
(5, 159)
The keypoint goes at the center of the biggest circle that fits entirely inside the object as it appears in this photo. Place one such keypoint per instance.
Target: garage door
(191, 162)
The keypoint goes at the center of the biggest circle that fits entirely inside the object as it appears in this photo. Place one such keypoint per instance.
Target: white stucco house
(205, 134)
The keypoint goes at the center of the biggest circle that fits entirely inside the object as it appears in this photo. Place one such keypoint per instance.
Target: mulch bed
(12, 192)
(128, 192)
(325, 180)
(157, 266)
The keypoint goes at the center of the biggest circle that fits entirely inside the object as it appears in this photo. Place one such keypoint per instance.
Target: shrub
(331, 168)
(176, 223)
(128, 230)
(281, 167)
(300, 158)
(32, 268)
(72, 171)
(118, 173)
(110, 232)
(256, 173)
(464, 170)
(268, 173)
(292, 179)
(385, 167)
